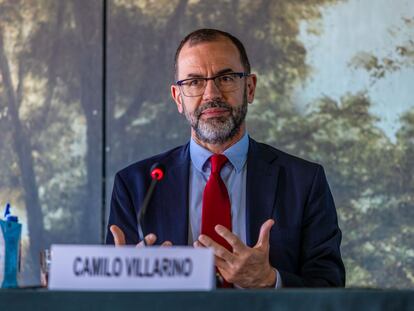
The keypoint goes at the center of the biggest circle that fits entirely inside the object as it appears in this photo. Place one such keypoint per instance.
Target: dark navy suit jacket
(305, 240)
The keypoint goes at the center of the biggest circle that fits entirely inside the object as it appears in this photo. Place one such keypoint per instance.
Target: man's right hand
(119, 238)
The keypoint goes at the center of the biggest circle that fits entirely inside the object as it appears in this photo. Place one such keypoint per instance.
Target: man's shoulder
(282, 158)
(293, 170)
(168, 158)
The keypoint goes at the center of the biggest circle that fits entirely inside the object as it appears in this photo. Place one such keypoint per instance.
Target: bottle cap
(12, 218)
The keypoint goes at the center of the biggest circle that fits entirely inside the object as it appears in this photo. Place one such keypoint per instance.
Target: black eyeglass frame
(239, 74)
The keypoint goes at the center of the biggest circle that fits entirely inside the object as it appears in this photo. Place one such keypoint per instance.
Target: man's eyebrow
(227, 70)
(194, 75)
(197, 75)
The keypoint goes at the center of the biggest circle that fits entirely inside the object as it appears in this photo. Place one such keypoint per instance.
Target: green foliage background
(53, 51)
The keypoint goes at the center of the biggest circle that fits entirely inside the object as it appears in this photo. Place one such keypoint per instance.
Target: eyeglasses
(226, 82)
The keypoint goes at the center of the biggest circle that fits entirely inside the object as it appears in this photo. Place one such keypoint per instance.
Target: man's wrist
(271, 278)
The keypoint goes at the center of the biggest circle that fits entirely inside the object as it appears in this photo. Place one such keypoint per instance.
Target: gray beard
(221, 129)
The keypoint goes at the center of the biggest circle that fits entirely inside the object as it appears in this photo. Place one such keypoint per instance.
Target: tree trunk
(23, 149)
(88, 19)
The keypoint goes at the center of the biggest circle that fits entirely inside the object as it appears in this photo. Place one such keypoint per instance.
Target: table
(224, 299)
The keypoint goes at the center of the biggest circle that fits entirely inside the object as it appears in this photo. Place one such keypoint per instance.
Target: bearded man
(268, 216)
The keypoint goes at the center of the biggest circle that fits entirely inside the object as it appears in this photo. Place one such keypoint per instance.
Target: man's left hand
(245, 267)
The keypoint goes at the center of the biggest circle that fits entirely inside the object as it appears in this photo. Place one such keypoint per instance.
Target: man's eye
(227, 78)
(194, 82)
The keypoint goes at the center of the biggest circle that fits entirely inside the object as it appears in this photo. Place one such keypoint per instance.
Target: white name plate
(127, 268)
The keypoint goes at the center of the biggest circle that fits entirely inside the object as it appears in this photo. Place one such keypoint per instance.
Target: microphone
(157, 173)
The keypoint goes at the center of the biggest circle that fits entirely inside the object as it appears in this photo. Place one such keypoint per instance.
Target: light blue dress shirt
(233, 173)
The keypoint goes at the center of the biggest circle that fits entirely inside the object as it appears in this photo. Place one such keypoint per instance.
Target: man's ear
(176, 95)
(251, 87)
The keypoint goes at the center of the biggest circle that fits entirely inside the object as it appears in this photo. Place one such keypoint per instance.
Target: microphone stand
(157, 173)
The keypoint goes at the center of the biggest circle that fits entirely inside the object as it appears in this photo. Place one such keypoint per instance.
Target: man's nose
(211, 91)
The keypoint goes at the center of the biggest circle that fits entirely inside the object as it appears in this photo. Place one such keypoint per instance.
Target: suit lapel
(261, 185)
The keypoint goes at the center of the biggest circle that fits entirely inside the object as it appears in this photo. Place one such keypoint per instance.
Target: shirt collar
(237, 154)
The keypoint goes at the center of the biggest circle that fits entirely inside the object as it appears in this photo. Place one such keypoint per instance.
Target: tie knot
(217, 162)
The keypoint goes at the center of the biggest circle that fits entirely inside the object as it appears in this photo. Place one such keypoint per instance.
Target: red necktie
(216, 202)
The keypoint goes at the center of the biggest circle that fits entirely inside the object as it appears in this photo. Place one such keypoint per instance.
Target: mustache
(212, 104)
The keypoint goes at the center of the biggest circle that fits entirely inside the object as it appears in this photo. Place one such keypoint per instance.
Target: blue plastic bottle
(10, 234)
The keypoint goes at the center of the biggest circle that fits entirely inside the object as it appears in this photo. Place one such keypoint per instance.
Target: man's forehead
(209, 55)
